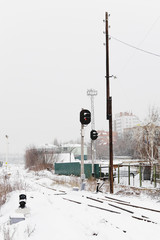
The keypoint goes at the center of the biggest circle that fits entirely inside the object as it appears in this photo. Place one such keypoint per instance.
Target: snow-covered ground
(55, 211)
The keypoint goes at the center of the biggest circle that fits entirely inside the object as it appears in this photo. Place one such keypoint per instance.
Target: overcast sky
(51, 52)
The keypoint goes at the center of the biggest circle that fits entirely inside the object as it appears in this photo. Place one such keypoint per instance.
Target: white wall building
(75, 149)
(124, 120)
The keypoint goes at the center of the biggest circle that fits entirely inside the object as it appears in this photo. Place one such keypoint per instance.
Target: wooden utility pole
(107, 65)
(109, 106)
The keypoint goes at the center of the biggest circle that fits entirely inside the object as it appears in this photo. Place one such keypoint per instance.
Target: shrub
(39, 159)
(7, 186)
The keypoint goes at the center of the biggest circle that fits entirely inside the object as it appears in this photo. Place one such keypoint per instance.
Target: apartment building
(103, 137)
(124, 120)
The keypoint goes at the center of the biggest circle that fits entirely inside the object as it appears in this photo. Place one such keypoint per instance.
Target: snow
(49, 214)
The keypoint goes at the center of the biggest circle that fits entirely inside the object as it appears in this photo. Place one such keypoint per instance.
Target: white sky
(51, 52)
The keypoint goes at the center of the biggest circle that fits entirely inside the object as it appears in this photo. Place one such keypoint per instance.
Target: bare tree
(39, 158)
(124, 146)
(102, 150)
(147, 138)
(141, 141)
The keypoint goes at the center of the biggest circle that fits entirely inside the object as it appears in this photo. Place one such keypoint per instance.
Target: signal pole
(109, 105)
(92, 93)
(85, 119)
(82, 152)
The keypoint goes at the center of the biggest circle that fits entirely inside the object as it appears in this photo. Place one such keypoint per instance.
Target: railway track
(141, 217)
(101, 200)
(131, 205)
(108, 204)
(59, 192)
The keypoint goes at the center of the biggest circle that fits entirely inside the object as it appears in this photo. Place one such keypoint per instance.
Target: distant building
(124, 120)
(103, 137)
(74, 149)
(48, 148)
(63, 151)
(102, 144)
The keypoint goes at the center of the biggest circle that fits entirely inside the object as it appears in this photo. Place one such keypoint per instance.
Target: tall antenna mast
(92, 93)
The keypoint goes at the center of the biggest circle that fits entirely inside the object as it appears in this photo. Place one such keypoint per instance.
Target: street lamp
(6, 148)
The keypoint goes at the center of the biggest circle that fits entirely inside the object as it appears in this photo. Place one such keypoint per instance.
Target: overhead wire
(140, 43)
(137, 48)
(149, 30)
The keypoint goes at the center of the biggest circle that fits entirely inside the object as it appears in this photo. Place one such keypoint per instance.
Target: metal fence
(74, 168)
(138, 175)
(134, 175)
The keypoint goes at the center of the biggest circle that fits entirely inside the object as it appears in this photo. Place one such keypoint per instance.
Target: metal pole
(154, 169)
(92, 93)
(92, 157)
(118, 175)
(140, 175)
(82, 157)
(7, 149)
(82, 150)
(129, 175)
(92, 127)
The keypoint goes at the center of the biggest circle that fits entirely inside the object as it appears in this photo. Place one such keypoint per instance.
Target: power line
(149, 30)
(139, 49)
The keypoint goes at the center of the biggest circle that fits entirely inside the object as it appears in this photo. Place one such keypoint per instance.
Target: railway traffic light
(93, 134)
(85, 116)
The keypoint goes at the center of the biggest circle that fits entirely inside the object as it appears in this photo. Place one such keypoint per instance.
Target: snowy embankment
(55, 211)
